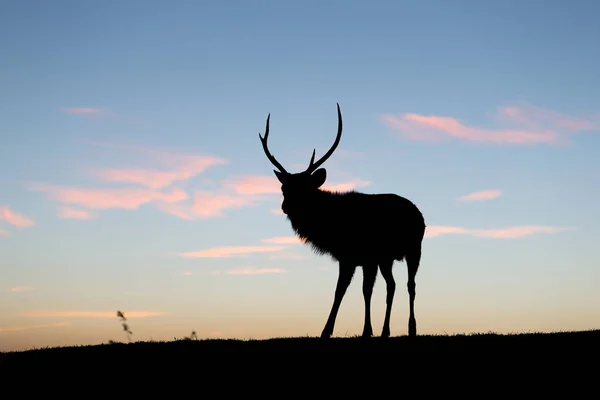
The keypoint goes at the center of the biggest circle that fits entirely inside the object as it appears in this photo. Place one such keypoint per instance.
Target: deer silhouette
(354, 229)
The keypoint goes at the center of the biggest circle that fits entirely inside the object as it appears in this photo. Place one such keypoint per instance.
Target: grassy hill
(182, 351)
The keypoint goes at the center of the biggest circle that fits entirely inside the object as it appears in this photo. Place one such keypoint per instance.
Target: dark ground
(184, 352)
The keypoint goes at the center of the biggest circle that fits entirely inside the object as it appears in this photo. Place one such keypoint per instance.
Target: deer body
(358, 227)
(355, 229)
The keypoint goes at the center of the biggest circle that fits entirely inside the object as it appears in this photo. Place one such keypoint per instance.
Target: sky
(132, 177)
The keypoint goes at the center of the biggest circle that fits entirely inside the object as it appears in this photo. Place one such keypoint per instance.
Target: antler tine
(270, 156)
(313, 166)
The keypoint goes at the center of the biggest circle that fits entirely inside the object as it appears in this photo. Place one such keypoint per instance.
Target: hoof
(412, 328)
(326, 334)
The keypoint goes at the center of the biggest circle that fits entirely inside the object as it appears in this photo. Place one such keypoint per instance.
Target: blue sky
(132, 177)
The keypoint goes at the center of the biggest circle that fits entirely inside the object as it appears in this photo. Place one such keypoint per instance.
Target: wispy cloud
(124, 198)
(83, 110)
(283, 240)
(4, 233)
(252, 185)
(286, 255)
(501, 233)
(15, 219)
(539, 118)
(254, 271)
(345, 186)
(90, 314)
(231, 251)
(74, 213)
(178, 168)
(236, 193)
(206, 205)
(529, 125)
(255, 185)
(29, 327)
(275, 246)
(20, 289)
(184, 167)
(482, 195)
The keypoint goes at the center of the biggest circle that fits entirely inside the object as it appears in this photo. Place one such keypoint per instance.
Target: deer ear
(318, 177)
(280, 175)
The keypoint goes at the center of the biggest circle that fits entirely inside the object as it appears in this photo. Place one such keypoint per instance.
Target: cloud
(125, 198)
(482, 195)
(255, 271)
(536, 118)
(74, 213)
(91, 314)
(206, 205)
(15, 219)
(184, 168)
(277, 211)
(235, 193)
(4, 233)
(29, 327)
(530, 125)
(83, 110)
(178, 168)
(252, 185)
(502, 233)
(275, 245)
(20, 289)
(345, 186)
(283, 240)
(231, 251)
(255, 185)
(287, 256)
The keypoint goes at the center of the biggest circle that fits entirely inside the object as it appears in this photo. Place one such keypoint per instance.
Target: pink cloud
(83, 110)
(4, 233)
(206, 205)
(252, 185)
(277, 211)
(532, 125)
(91, 314)
(482, 195)
(284, 255)
(15, 219)
(231, 251)
(345, 186)
(283, 240)
(29, 327)
(17, 289)
(128, 199)
(502, 233)
(536, 118)
(255, 271)
(74, 213)
(185, 167)
(433, 127)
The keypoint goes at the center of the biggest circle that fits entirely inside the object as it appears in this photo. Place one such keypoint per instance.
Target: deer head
(299, 188)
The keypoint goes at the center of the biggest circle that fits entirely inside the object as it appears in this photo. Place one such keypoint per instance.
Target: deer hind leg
(369, 275)
(412, 261)
(344, 278)
(386, 271)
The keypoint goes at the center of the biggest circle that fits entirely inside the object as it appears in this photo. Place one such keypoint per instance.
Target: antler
(313, 166)
(266, 148)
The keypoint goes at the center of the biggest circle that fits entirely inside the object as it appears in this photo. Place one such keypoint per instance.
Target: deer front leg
(346, 272)
(369, 275)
